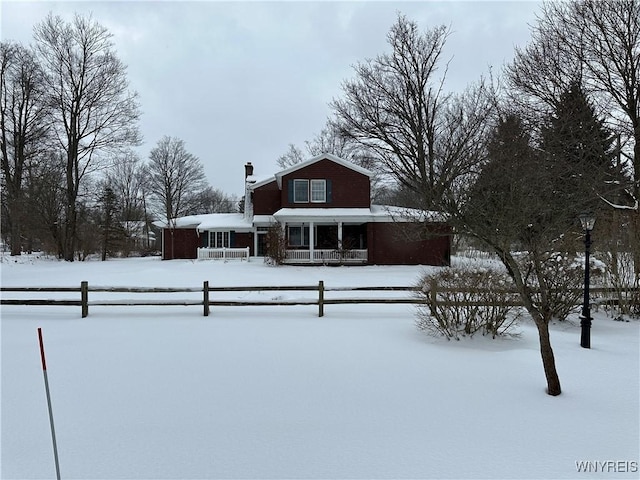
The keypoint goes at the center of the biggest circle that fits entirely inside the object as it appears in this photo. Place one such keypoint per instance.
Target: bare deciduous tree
(46, 180)
(94, 111)
(127, 178)
(213, 200)
(396, 109)
(23, 131)
(292, 156)
(175, 176)
(329, 140)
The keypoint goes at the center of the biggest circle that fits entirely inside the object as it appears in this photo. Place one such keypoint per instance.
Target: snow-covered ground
(277, 392)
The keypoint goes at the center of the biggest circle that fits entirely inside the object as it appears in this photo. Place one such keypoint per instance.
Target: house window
(301, 191)
(299, 236)
(318, 191)
(218, 239)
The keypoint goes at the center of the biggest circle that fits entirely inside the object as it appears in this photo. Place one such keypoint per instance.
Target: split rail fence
(208, 292)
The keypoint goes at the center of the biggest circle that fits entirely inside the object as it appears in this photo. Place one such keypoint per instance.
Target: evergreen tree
(508, 183)
(111, 230)
(514, 210)
(578, 150)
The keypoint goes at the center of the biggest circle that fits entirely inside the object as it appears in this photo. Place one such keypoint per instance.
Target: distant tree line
(72, 184)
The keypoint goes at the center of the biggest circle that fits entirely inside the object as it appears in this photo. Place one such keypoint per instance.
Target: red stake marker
(46, 387)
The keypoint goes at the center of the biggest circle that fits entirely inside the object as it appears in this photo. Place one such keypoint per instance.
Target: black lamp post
(587, 220)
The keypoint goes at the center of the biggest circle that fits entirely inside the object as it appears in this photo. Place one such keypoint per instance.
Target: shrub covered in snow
(620, 276)
(458, 302)
(564, 277)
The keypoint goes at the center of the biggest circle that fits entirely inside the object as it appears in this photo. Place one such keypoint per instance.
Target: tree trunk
(15, 227)
(69, 240)
(16, 244)
(68, 243)
(540, 316)
(635, 246)
(15, 217)
(548, 360)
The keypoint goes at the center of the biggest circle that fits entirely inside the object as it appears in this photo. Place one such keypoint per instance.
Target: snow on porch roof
(377, 213)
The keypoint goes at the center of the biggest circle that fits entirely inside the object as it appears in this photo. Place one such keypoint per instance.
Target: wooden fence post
(321, 298)
(205, 290)
(433, 294)
(84, 298)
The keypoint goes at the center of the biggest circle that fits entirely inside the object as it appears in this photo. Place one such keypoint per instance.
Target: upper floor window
(301, 191)
(309, 191)
(318, 191)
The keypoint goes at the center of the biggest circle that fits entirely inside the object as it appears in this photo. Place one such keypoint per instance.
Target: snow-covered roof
(263, 220)
(232, 221)
(323, 156)
(210, 221)
(237, 221)
(189, 221)
(323, 214)
(377, 213)
(258, 181)
(404, 214)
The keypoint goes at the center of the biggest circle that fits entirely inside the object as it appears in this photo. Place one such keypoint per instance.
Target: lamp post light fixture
(587, 220)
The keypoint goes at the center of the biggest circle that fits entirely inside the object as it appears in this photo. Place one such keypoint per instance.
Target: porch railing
(326, 256)
(206, 253)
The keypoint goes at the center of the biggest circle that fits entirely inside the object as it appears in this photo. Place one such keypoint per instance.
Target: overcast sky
(239, 81)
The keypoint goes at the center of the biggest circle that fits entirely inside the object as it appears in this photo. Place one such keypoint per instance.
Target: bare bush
(615, 236)
(563, 275)
(276, 248)
(464, 301)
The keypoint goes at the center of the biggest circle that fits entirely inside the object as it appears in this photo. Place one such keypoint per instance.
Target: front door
(262, 244)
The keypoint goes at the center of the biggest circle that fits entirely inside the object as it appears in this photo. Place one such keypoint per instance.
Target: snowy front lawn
(277, 392)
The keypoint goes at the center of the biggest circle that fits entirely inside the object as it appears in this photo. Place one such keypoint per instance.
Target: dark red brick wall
(243, 240)
(407, 244)
(266, 199)
(349, 189)
(185, 243)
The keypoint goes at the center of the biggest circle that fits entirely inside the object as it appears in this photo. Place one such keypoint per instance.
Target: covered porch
(324, 236)
(325, 243)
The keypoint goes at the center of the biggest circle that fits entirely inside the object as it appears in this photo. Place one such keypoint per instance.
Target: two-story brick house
(324, 210)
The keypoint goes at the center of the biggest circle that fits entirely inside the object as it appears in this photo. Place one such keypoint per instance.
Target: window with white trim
(300, 191)
(318, 191)
(299, 236)
(219, 239)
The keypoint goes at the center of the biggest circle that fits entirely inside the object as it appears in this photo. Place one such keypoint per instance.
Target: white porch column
(311, 241)
(255, 241)
(340, 235)
(283, 227)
